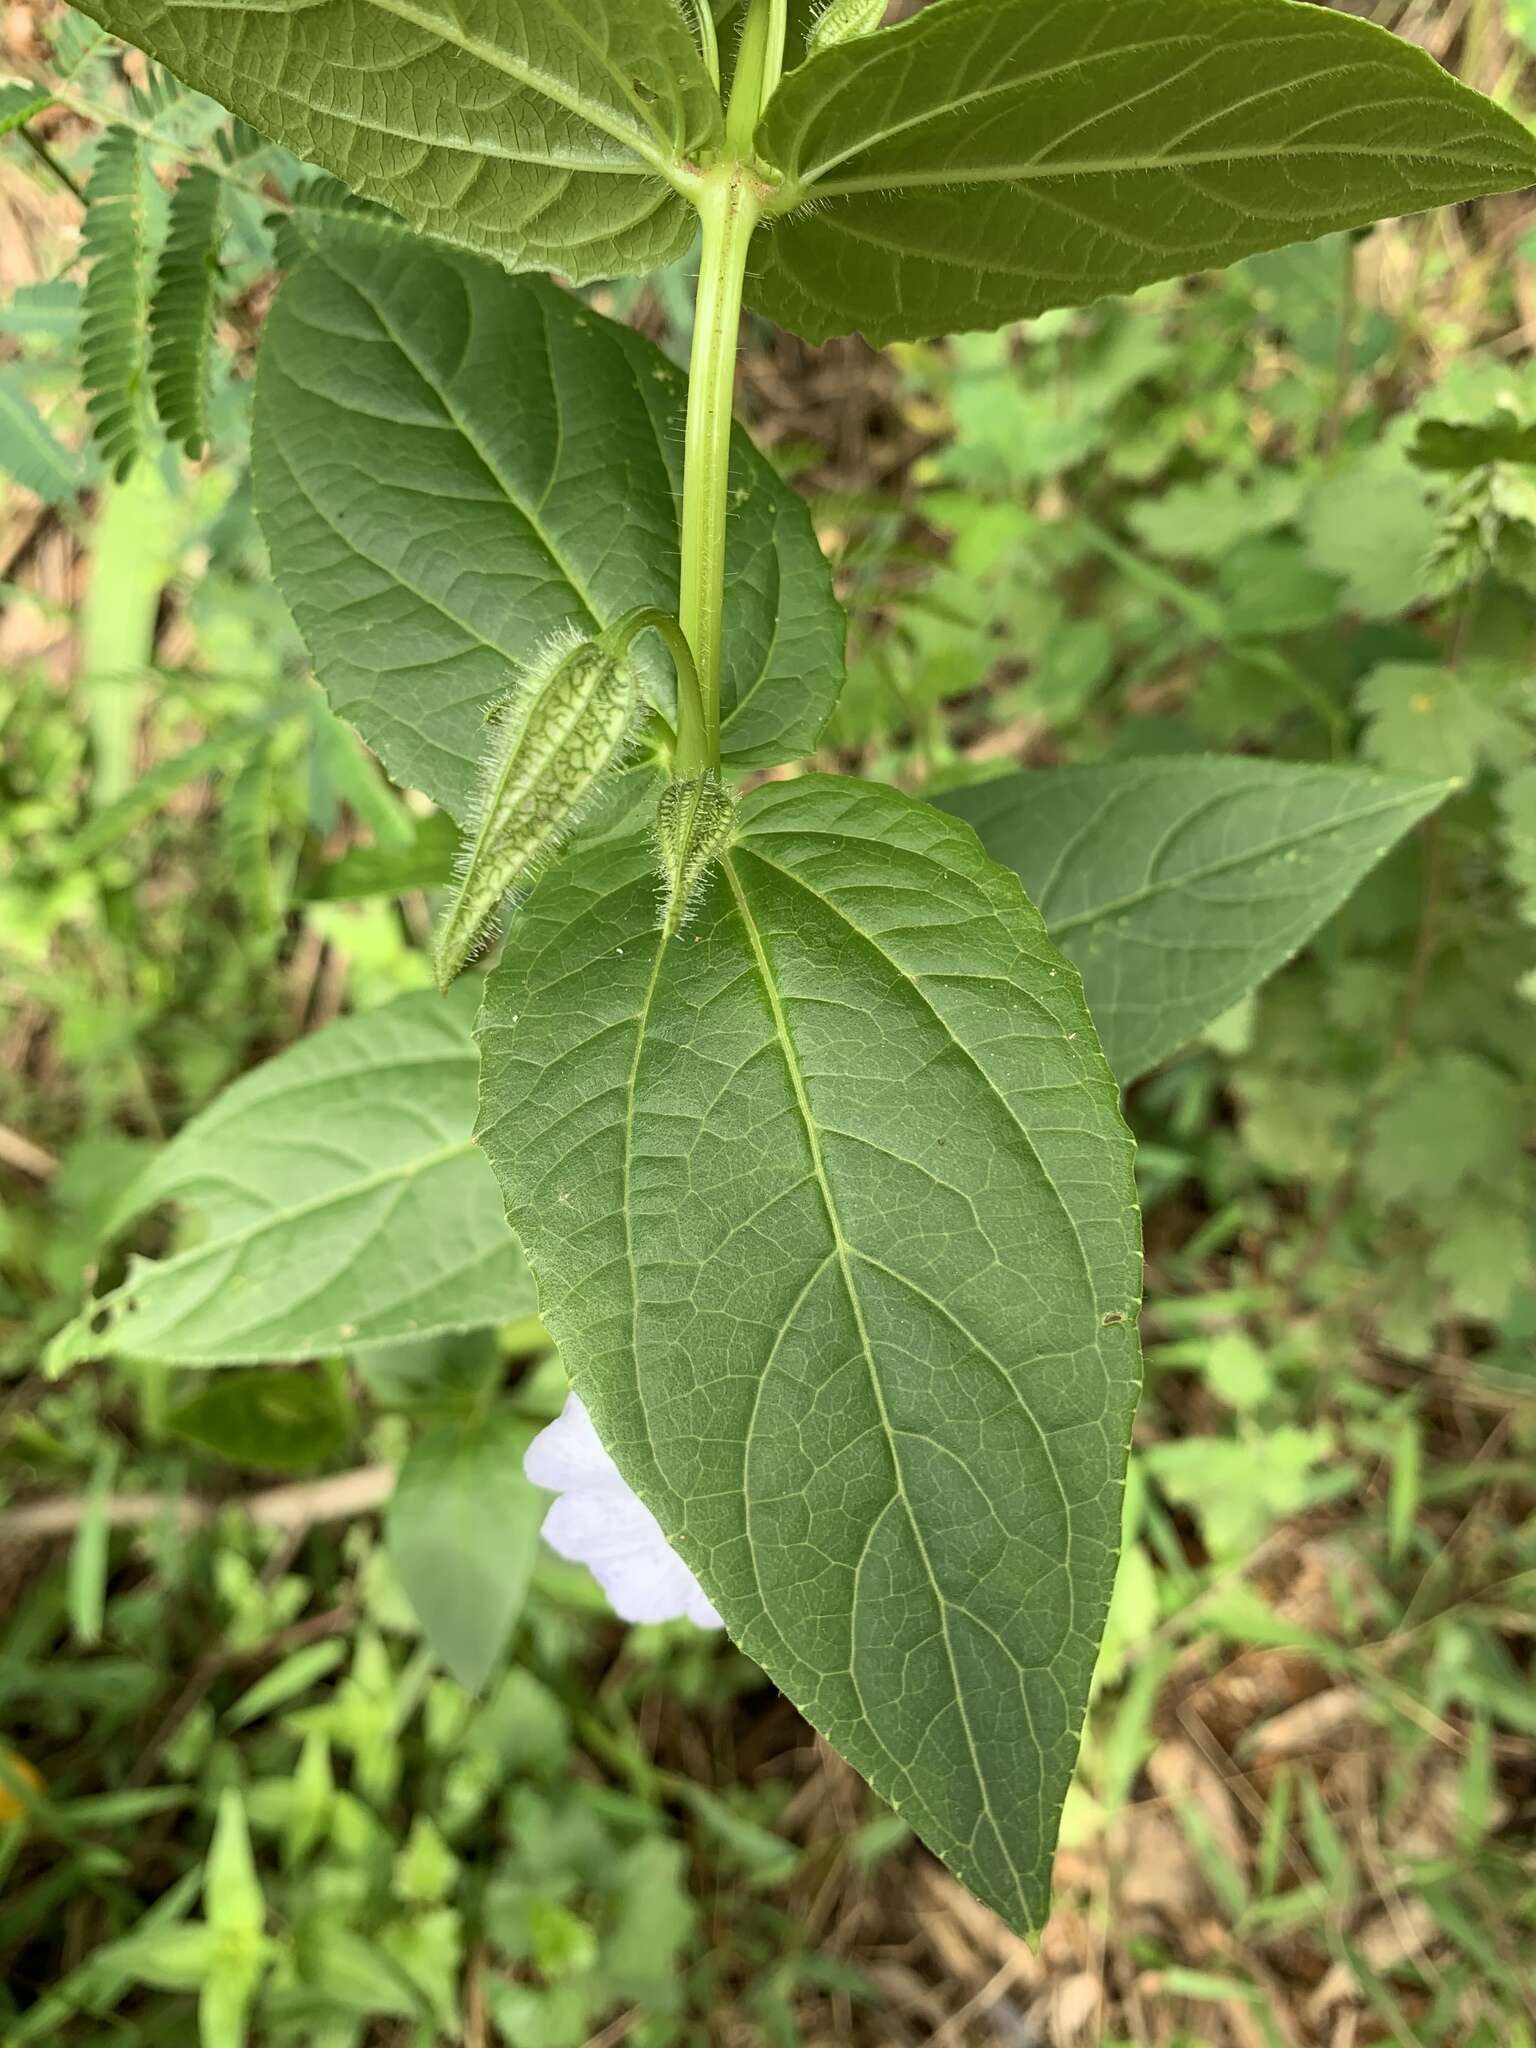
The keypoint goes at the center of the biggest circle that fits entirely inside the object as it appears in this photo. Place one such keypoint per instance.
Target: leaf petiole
(621, 636)
(759, 67)
(729, 208)
(709, 43)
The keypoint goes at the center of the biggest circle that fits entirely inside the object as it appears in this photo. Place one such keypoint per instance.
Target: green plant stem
(729, 206)
(648, 619)
(759, 66)
(709, 47)
(50, 162)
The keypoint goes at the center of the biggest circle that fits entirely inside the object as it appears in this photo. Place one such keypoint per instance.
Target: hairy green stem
(49, 161)
(620, 637)
(729, 206)
(759, 66)
(709, 47)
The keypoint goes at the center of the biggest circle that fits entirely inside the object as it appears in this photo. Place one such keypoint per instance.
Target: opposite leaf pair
(985, 160)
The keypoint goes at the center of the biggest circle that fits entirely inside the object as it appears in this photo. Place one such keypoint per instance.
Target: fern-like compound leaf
(317, 202)
(116, 301)
(181, 313)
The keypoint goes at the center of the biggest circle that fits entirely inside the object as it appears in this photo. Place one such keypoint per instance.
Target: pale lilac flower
(597, 1521)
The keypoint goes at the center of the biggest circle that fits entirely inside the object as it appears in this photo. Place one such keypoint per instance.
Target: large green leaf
(451, 463)
(265, 1415)
(342, 1203)
(831, 1209)
(462, 1531)
(992, 158)
(1177, 885)
(553, 134)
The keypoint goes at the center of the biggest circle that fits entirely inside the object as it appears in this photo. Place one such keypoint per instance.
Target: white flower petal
(569, 1453)
(597, 1521)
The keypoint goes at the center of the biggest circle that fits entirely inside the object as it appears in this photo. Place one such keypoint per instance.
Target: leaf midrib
(643, 140)
(277, 1219)
(843, 1252)
(1191, 877)
(529, 514)
(911, 982)
(252, 1343)
(813, 180)
(1080, 167)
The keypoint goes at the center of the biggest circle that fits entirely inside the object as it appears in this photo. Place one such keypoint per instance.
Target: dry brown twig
(292, 1507)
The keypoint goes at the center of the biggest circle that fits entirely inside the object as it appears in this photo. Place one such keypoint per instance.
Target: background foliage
(1284, 512)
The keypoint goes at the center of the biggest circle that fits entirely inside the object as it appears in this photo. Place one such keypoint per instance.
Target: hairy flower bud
(555, 739)
(695, 823)
(841, 20)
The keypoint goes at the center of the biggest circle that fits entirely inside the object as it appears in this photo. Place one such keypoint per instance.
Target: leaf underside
(541, 135)
(1176, 886)
(990, 159)
(342, 1202)
(451, 464)
(831, 1209)
(462, 1529)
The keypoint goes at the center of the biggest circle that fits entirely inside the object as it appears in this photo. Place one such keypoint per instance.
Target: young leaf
(227, 747)
(29, 454)
(452, 465)
(462, 1531)
(232, 1901)
(1176, 885)
(1425, 720)
(831, 1207)
(281, 1420)
(181, 313)
(425, 863)
(49, 310)
(235, 1912)
(343, 1204)
(89, 1554)
(552, 134)
(1459, 446)
(989, 159)
(246, 821)
(116, 306)
(21, 103)
(1370, 520)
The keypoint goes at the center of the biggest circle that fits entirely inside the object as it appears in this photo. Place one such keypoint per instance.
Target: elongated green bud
(554, 740)
(841, 20)
(695, 824)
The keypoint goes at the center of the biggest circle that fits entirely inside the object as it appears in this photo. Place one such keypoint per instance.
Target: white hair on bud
(555, 738)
